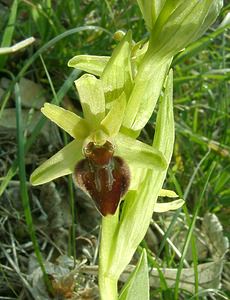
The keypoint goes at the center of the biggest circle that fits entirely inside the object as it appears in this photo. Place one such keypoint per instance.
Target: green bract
(182, 22)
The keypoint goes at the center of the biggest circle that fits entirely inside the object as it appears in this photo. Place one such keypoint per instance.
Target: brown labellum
(103, 176)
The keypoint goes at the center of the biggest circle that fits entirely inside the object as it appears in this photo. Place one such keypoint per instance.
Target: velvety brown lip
(104, 177)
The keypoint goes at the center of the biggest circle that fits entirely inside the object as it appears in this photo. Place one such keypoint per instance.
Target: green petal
(173, 205)
(92, 99)
(67, 120)
(60, 164)
(112, 122)
(139, 154)
(89, 63)
(117, 75)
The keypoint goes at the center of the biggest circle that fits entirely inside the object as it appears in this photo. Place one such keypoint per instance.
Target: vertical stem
(108, 288)
(107, 282)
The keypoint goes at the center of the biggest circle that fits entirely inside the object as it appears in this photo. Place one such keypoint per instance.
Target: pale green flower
(97, 126)
(104, 104)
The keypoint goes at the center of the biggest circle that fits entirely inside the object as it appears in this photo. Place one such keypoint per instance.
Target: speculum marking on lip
(103, 176)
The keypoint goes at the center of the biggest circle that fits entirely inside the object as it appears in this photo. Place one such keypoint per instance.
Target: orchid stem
(108, 288)
(107, 282)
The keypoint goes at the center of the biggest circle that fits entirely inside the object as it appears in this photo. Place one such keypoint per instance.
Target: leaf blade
(137, 286)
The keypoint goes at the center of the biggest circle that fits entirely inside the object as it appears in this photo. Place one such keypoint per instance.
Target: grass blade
(176, 215)
(8, 33)
(40, 51)
(190, 231)
(23, 188)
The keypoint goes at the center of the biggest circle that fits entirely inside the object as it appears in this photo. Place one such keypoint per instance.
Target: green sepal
(92, 99)
(139, 154)
(60, 164)
(137, 286)
(117, 75)
(67, 120)
(89, 63)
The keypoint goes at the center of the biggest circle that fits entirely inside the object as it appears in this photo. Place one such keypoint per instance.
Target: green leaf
(146, 91)
(137, 286)
(112, 122)
(139, 154)
(60, 164)
(67, 120)
(92, 99)
(89, 63)
(117, 75)
(164, 134)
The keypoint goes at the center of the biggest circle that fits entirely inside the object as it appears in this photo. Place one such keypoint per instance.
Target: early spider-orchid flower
(104, 103)
(97, 134)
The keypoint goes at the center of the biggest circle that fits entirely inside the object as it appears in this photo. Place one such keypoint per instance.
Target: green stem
(107, 282)
(108, 288)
